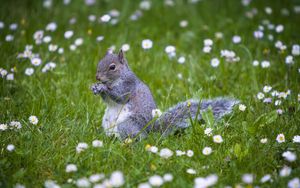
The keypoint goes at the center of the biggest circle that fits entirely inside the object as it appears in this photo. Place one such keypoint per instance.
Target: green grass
(69, 113)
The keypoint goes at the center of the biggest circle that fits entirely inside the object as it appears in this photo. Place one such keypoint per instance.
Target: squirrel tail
(179, 115)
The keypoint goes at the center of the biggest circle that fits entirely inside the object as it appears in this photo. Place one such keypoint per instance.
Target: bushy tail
(179, 115)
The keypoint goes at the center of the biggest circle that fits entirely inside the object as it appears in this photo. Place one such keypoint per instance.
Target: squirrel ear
(121, 56)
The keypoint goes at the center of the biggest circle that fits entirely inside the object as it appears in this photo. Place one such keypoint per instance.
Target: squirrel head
(111, 67)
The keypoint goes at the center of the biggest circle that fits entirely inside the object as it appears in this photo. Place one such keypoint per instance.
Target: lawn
(51, 132)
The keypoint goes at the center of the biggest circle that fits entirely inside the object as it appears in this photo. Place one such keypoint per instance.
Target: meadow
(50, 121)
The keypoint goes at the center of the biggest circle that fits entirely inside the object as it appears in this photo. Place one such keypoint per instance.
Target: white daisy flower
(285, 171)
(255, 63)
(219, 35)
(280, 138)
(147, 44)
(71, 168)
(9, 38)
(296, 139)
(181, 60)
(83, 182)
(183, 23)
(215, 62)
(10, 147)
(2, 25)
(38, 35)
(51, 184)
(60, 50)
(265, 64)
(190, 153)
(242, 107)
(266, 178)
(3, 127)
(99, 38)
(206, 49)
(289, 60)
(36, 61)
(289, 156)
(236, 39)
(68, 34)
(33, 120)
(92, 18)
(268, 10)
(144, 185)
(248, 178)
(47, 39)
(13, 26)
(48, 67)
(207, 151)
(52, 47)
(279, 28)
(51, 26)
(260, 95)
(267, 89)
(258, 34)
(125, 47)
(263, 140)
(294, 183)
(170, 49)
(72, 47)
(153, 149)
(10, 76)
(168, 177)
(165, 153)
(29, 71)
(180, 153)
(15, 124)
(208, 42)
(78, 41)
(191, 171)
(97, 143)
(208, 131)
(295, 50)
(145, 5)
(210, 180)
(105, 18)
(81, 147)
(117, 179)
(156, 180)
(96, 177)
(218, 139)
(156, 113)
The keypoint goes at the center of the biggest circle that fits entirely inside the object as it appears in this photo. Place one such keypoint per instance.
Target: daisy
(156, 180)
(51, 26)
(10, 76)
(191, 171)
(10, 147)
(183, 23)
(33, 120)
(170, 49)
(97, 143)
(147, 44)
(289, 156)
(248, 178)
(296, 50)
(78, 41)
(208, 131)
(92, 18)
(13, 26)
(189, 153)
(29, 71)
(125, 47)
(242, 107)
(215, 62)
(1, 25)
(258, 34)
(144, 185)
(296, 139)
(3, 127)
(71, 168)
(279, 28)
(36, 61)
(263, 140)
(208, 42)
(206, 49)
(181, 60)
(267, 89)
(68, 34)
(99, 38)
(165, 153)
(285, 171)
(218, 139)
(168, 177)
(255, 63)
(52, 47)
(289, 60)
(96, 177)
(15, 124)
(156, 113)
(105, 18)
(47, 39)
(294, 183)
(145, 5)
(265, 178)
(260, 95)
(180, 153)
(236, 39)
(83, 182)
(9, 38)
(280, 138)
(265, 64)
(207, 151)
(117, 179)
(81, 147)
(60, 50)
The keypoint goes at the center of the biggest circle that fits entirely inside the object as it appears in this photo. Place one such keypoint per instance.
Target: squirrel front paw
(98, 88)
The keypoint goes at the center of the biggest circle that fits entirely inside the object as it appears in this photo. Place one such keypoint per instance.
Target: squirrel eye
(112, 67)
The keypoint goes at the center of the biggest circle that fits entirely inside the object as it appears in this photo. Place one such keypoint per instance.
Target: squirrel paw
(98, 88)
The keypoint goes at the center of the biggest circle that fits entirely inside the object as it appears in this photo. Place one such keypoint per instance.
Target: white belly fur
(113, 116)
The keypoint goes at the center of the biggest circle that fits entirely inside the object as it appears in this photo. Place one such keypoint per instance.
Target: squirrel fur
(130, 103)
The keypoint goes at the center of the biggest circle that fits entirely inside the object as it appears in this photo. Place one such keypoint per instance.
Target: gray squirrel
(130, 104)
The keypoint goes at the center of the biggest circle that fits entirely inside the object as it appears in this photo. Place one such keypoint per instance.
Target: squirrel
(130, 104)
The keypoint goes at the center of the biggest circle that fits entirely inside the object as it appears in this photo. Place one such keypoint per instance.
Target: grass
(69, 113)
